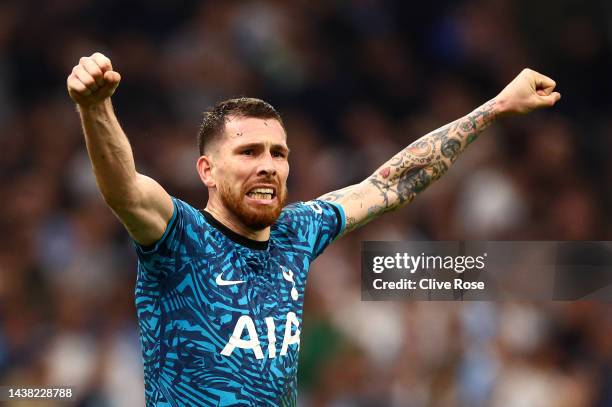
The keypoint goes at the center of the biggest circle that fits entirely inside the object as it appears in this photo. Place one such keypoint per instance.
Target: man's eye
(247, 152)
(278, 154)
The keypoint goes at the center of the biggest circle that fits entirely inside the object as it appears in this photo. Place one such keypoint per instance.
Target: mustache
(265, 180)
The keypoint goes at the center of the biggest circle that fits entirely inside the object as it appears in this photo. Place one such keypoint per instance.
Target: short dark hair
(213, 123)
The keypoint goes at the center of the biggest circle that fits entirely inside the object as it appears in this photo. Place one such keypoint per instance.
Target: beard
(255, 217)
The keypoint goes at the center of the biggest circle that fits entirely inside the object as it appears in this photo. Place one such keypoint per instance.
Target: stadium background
(356, 81)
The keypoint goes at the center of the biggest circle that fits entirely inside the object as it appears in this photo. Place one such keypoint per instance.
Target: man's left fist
(530, 90)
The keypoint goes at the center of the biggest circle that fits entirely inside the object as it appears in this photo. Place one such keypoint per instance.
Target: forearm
(412, 170)
(110, 153)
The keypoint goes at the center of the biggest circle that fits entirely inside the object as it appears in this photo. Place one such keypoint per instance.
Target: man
(220, 291)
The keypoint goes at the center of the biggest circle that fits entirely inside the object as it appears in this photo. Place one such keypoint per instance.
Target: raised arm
(141, 204)
(413, 169)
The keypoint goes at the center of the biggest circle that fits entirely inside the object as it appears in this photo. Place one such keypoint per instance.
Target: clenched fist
(530, 90)
(92, 80)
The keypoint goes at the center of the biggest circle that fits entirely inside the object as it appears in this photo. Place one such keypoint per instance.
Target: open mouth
(264, 193)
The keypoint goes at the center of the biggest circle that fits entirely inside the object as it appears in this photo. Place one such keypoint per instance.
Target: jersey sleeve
(315, 224)
(161, 258)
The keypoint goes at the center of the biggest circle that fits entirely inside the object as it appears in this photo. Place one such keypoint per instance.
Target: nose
(266, 165)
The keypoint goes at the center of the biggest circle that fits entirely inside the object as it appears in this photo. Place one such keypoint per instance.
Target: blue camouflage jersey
(219, 314)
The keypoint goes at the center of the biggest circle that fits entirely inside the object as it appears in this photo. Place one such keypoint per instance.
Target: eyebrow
(259, 145)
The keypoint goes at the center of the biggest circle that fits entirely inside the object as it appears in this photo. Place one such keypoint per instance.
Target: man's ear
(204, 167)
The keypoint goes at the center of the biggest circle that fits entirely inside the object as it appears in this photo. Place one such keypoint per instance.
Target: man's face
(250, 169)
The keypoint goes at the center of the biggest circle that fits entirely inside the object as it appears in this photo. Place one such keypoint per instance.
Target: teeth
(261, 193)
(260, 196)
(262, 190)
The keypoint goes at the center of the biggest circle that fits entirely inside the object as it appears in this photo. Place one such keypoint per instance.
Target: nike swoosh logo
(220, 281)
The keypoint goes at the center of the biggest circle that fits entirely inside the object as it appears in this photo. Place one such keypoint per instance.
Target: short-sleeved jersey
(219, 314)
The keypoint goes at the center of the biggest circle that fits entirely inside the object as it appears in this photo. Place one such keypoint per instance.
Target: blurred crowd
(355, 81)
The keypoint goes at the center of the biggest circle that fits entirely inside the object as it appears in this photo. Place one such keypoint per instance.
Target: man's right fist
(92, 80)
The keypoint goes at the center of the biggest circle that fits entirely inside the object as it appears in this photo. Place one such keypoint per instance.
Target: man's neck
(225, 218)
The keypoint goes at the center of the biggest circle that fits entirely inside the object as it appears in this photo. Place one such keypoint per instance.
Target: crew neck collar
(233, 236)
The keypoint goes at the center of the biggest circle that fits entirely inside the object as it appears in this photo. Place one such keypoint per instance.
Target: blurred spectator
(356, 81)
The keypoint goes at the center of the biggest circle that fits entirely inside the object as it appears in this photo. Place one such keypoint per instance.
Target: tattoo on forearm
(413, 169)
(451, 149)
(427, 159)
(333, 196)
(385, 172)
